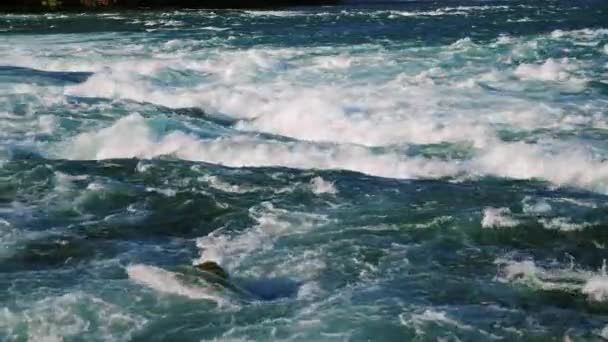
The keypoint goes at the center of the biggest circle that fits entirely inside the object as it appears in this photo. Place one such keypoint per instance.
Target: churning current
(388, 171)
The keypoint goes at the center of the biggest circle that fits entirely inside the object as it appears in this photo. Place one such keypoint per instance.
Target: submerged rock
(212, 274)
(247, 289)
(213, 268)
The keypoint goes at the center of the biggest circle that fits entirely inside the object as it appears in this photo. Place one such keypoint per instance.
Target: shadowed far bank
(100, 5)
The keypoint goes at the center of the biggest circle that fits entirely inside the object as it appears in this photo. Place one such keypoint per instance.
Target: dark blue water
(368, 172)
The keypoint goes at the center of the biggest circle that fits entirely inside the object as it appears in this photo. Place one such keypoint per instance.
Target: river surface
(428, 171)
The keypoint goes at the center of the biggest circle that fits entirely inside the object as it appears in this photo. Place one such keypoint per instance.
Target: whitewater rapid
(394, 171)
(369, 108)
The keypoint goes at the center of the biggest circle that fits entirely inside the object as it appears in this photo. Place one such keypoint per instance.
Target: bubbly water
(395, 171)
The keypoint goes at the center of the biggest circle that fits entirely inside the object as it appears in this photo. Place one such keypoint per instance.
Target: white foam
(535, 206)
(163, 191)
(327, 115)
(498, 218)
(528, 273)
(479, 8)
(550, 70)
(517, 269)
(216, 183)
(335, 100)
(306, 265)
(215, 28)
(434, 13)
(568, 165)
(438, 316)
(604, 332)
(219, 184)
(339, 109)
(420, 321)
(594, 285)
(275, 13)
(73, 315)
(143, 167)
(435, 222)
(8, 234)
(463, 43)
(520, 20)
(325, 112)
(579, 202)
(596, 288)
(132, 137)
(320, 186)
(168, 282)
(334, 62)
(309, 290)
(558, 34)
(563, 224)
(504, 40)
(65, 182)
(585, 33)
(271, 223)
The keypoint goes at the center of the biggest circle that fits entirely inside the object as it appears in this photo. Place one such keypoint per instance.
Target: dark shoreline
(41, 6)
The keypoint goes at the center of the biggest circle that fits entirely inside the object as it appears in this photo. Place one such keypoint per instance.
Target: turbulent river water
(366, 172)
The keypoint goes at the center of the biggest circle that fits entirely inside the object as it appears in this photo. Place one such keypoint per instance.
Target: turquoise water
(387, 172)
